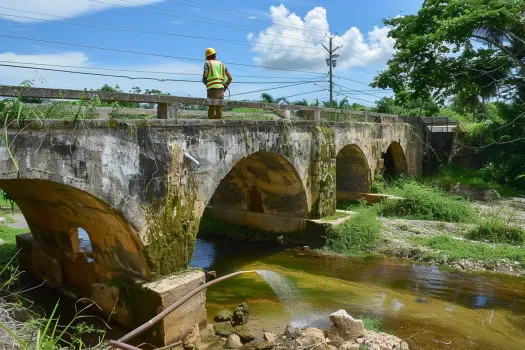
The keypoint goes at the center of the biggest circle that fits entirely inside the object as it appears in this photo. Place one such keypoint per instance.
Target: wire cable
(364, 93)
(106, 26)
(212, 20)
(143, 78)
(275, 88)
(237, 14)
(304, 93)
(150, 72)
(150, 54)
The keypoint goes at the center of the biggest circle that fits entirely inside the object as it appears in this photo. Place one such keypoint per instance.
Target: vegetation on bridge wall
(323, 174)
(172, 225)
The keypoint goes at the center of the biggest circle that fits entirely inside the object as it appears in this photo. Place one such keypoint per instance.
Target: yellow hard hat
(210, 51)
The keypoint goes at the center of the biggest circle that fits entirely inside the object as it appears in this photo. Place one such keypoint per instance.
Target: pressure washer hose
(120, 343)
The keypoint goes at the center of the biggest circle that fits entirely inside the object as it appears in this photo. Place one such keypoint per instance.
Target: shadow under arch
(54, 213)
(263, 191)
(352, 173)
(395, 163)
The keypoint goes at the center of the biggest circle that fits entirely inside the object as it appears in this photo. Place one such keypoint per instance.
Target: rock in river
(223, 329)
(345, 327)
(241, 315)
(192, 339)
(223, 316)
(233, 342)
(244, 333)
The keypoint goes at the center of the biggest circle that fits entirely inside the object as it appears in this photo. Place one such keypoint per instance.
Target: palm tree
(269, 99)
(334, 104)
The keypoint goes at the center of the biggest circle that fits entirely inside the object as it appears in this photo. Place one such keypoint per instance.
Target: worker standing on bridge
(216, 84)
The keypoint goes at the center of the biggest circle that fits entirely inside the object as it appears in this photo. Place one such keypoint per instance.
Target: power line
(355, 98)
(274, 88)
(213, 21)
(142, 78)
(355, 81)
(147, 71)
(304, 93)
(106, 26)
(364, 93)
(149, 54)
(237, 14)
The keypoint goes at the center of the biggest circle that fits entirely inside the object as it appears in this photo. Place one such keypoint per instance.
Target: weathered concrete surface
(112, 178)
(181, 321)
(129, 185)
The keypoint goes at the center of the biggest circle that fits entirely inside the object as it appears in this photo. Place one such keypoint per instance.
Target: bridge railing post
(287, 113)
(167, 111)
(312, 115)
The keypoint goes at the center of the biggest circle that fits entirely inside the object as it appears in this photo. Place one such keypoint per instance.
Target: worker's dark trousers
(215, 112)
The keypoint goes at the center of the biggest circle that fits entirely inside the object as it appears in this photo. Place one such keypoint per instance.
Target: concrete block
(46, 268)
(108, 299)
(181, 321)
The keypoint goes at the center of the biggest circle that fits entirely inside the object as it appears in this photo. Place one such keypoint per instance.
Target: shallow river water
(432, 308)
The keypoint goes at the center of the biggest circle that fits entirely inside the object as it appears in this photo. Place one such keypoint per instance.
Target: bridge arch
(55, 212)
(262, 190)
(353, 174)
(395, 162)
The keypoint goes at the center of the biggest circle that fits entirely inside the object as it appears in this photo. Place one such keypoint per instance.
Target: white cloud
(294, 43)
(62, 8)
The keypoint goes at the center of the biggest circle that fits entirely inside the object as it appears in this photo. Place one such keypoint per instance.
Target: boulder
(384, 341)
(244, 333)
(345, 327)
(208, 334)
(223, 329)
(233, 342)
(241, 315)
(310, 336)
(223, 316)
(262, 345)
(192, 340)
(271, 337)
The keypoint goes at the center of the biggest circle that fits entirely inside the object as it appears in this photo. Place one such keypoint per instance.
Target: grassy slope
(8, 234)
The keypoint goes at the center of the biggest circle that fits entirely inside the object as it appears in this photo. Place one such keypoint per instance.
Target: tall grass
(496, 228)
(423, 202)
(446, 247)
(357, 236)
(37, 333)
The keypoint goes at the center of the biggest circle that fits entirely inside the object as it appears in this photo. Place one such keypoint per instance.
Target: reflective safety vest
(216, 73)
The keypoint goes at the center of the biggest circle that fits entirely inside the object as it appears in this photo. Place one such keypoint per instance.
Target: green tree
(270, 99)
(465, 48)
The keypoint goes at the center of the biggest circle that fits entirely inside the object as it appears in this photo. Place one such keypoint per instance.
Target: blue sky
(278, 34)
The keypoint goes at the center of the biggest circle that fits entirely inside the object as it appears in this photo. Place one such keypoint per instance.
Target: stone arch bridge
(133, 187)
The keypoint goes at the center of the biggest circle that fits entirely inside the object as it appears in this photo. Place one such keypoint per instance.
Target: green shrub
(452, 249)
(495, 229)
(422, 202)
(357, 236)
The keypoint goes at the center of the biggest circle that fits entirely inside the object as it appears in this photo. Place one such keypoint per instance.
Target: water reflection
(466, 310)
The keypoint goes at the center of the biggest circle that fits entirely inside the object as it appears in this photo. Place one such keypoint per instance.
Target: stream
(431, 307)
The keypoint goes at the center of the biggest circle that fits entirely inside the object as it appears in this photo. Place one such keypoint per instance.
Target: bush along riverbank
(231, 329)
(435, 227)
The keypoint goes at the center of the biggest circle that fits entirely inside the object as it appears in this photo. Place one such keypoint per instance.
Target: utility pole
(332, 64)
